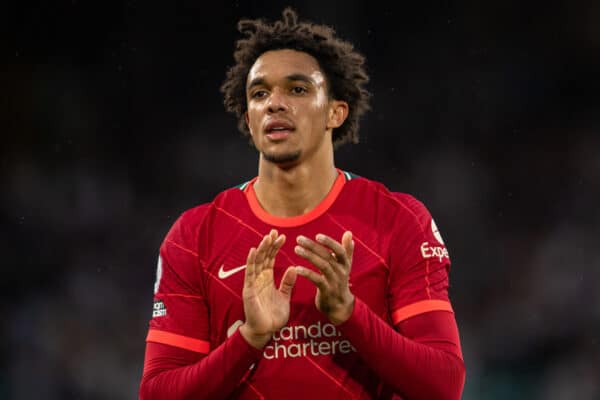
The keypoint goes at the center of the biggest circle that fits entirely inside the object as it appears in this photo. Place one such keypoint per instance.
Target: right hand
(267, 308)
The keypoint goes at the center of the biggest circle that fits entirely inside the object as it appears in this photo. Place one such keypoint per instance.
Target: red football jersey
(399, 270)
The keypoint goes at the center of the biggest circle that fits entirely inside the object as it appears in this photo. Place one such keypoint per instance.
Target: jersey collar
(288, 222)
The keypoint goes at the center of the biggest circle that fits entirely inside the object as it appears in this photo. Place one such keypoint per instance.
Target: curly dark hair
(342, 65)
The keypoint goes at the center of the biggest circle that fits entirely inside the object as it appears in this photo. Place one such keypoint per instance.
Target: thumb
(288, 281)
(348, 244)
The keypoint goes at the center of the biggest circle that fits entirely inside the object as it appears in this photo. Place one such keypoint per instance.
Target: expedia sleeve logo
(431, 250)
(159, 309)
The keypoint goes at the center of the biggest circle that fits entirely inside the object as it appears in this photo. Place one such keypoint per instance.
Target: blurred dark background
(112, 124)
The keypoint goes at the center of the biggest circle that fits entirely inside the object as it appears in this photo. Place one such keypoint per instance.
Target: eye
(259, 94)
(299, 90)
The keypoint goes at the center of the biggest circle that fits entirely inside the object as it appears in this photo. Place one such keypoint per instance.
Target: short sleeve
(419, 263)
(180, 312)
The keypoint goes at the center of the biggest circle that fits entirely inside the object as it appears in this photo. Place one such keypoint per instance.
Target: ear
(247, 122)
(338, 112)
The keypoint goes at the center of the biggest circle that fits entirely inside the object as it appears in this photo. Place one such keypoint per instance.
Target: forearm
(172, 373)
(415, 370)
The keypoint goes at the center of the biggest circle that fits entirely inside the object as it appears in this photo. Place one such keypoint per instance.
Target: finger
(269, 250)
(313, 246)
(317, 279)
(272, 236)
(287, 282)
(337, 249)
(250, 273)
(262, 250)
(275, 246)
(323, 265)
(329, 267)
(278, 243)
(348, 244)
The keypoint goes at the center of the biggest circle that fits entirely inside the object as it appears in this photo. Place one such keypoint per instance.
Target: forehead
(275, 64)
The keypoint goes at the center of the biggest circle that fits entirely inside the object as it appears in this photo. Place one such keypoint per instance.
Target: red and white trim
(173, 339)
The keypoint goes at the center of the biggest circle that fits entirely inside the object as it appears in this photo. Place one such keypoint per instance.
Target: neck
(293, 191)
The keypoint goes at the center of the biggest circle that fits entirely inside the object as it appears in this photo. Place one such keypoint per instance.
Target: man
(307, 281)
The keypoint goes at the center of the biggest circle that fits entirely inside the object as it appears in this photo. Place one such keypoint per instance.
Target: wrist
(342, 313)
(256, 340)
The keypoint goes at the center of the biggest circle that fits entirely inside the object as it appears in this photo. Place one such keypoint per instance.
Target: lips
(278, 126)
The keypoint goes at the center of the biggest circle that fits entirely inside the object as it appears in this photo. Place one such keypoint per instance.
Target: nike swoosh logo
(226, 274)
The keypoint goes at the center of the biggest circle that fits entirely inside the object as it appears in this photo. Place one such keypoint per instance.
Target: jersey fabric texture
(399, 270)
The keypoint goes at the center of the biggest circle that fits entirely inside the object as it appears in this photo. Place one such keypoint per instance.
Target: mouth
(278, 135)
(278, 130)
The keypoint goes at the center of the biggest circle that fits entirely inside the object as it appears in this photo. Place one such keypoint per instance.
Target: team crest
(158, 274)
(436, 232)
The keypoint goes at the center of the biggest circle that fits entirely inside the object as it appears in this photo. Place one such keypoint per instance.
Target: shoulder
(228, 199)
(367, 189)
(388, 203)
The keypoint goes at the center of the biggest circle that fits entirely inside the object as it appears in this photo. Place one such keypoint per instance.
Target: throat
(291, 196)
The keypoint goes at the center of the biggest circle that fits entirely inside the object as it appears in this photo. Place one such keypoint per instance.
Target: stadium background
(112, 124)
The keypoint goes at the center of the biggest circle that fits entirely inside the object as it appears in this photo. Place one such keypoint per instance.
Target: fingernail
(299, 250)
(301, 239)
(320, 237)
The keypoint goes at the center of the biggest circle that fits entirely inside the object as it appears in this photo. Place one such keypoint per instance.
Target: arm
(422, 361)
(175, 373)
(176, 366)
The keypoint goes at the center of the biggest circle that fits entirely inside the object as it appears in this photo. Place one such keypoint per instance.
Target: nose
(277, 101)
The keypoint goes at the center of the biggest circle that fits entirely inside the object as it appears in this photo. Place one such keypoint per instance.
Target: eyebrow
(292, 77)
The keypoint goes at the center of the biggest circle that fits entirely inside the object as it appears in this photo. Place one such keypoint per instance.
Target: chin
(288, 158)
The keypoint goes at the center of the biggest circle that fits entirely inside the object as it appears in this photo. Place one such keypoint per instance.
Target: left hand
(334, 260)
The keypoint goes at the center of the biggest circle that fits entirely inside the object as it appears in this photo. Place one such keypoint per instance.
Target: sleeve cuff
(420, 307)
(173, 339)
(356, 318)
(237, 343)
(240, 345)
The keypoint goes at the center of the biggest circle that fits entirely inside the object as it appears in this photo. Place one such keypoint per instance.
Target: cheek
(319, 116)
(252, 119)
(319, 108)
(320, 100)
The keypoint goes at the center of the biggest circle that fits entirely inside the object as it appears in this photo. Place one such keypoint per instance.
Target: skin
(288, 85)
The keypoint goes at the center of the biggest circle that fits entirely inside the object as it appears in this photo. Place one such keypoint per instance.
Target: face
(290, 115)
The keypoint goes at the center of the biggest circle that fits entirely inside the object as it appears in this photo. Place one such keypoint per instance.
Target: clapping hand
(334, 260)
(267, 308)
